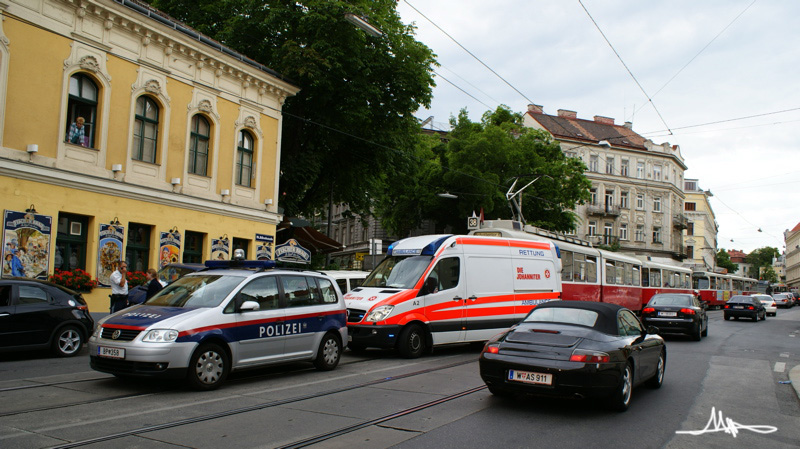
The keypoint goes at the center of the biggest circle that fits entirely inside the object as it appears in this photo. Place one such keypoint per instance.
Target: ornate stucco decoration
(89, 63)
(205, 106)
(153, 87)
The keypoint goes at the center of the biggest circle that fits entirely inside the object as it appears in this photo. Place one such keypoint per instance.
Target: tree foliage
(353, 118)
(762, 257)
(478, 163)
(724, 261)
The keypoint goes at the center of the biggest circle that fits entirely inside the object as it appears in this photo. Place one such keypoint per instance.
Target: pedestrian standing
(119, 287)
(153, 284)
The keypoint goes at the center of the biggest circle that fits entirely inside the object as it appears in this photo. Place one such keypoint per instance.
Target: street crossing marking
(785, 355)
(779, 367)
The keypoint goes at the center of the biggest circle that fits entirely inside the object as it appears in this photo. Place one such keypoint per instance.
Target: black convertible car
(578, 349)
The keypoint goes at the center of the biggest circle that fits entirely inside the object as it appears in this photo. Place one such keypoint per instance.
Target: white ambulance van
(439, 289)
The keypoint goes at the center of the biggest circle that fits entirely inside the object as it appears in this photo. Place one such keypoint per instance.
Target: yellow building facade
(700, 237)
(180, 140)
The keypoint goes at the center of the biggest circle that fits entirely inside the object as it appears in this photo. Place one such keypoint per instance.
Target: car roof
(607, 313)
(40, 282)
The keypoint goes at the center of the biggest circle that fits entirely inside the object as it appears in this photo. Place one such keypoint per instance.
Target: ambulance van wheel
(208, 367)
(411, 343)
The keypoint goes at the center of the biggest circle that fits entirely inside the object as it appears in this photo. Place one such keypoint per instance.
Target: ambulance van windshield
(398, 272)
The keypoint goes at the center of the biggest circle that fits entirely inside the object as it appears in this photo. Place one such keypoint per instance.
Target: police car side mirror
(249, 306)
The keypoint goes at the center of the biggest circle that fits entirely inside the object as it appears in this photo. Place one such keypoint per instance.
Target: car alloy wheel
(208, 367)
(621, 399)
(68, 342)
(329, 353)
(658, 378)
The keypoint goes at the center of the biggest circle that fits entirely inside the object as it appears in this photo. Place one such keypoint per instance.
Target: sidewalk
(794, 377)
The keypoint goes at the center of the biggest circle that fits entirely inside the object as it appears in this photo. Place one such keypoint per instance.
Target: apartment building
(637, 197)
(792, 238)
(700, 236)
(178, 152)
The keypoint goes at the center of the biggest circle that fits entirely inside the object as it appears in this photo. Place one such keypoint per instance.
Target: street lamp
(363, 25)
(447, 195)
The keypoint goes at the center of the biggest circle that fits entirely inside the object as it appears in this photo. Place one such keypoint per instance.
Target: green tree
(724, 261)
(353, 118)
(769, 274)
(478, 163)
(761, 257)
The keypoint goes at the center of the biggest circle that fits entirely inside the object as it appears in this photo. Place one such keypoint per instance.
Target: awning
(308, 237)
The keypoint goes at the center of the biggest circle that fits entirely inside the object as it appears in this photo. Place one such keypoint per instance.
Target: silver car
(209, 323)
(783, 299)
(769, 304)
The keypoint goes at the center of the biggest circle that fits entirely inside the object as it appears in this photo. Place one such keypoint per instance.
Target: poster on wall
(291, 251)
(170, 248)
(26, 244)
(109, 252)
(220, 249)
(264, 246)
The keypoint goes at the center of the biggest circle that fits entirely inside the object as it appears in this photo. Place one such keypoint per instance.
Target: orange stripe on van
(501, 242)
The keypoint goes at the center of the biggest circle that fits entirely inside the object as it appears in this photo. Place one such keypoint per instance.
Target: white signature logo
(719, 424)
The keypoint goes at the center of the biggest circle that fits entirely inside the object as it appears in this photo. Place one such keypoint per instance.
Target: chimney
(628, 125)
(535, 109)
(603, 120)
(567, 113)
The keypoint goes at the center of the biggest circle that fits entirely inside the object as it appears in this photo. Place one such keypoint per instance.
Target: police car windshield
(196, 291)
(398, 272)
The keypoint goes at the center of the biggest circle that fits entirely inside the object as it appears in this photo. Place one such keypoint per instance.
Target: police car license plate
(667, 313)
(114, 353)
(530, 378)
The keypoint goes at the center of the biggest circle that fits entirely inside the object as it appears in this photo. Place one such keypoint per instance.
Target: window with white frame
(593, 195)
(608, 233)
(623, 200)
(656, 172)
(592, 228)
(571, 154)
(145, 130)
(199, 145)
(593, 163)
(640, 201)
(609, 199)
(623, 231)
(81, 110)
(609, 165)
(657, 204)
(656, 234)
(623, 170)
(639, 233)
(640, 170)
(244, 159)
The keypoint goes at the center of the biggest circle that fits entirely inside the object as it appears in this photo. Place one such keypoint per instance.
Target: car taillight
(648, 310)
(687, 311)
(727, 306)
(83, 307)
(582, 355)
(492, 349)
(750, 308)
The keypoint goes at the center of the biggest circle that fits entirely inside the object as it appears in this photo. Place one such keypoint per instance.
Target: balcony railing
(602, 239)
(603, 209)
(680, 221)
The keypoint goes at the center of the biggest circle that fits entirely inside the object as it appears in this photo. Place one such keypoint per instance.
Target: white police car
(233, 315)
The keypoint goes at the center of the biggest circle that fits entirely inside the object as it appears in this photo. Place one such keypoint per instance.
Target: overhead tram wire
(698, 53)
(649, 99)
(469, 52)
(723, 121)
(462, 90)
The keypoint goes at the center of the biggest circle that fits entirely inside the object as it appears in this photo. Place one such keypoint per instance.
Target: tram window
(655, 277)
(636, 276)
(645, 277)
(620, 273)
(610, 272)
(687, 280)
(579, 267)
(566, 266)
(591, 269)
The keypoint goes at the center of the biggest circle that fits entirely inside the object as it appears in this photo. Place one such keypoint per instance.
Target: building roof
(736, 254)
(566, 125)
(796, 228)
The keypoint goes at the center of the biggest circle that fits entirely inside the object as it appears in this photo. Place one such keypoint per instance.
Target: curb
(794, 377)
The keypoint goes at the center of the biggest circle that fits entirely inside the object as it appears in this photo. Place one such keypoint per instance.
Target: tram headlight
(160, 336)
(379, 313)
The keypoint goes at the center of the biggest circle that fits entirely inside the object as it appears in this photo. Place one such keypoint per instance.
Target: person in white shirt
(119, 287)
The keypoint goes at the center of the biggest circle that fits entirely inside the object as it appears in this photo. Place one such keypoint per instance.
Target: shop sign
(291, 251)
(170, 244)
(220, 249)
(109, 252)
(264, 246)
(26, 243)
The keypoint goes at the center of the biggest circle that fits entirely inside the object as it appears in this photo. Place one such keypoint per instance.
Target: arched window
(145, 130)
(81, 110)
(198, 146)
(244, 159)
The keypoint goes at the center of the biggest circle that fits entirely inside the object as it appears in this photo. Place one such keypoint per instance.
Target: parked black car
(679, 313)
(576, 349)
(167, 275)
(36, 314)
(741, 306)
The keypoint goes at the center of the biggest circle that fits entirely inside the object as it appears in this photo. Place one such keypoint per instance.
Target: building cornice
(68, 179)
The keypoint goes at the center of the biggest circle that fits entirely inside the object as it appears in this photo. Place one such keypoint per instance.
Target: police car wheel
(67, 342)
(329, 353)
(411, 343)
(208, 367)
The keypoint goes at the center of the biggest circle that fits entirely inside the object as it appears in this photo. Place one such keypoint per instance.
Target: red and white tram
(664, 278)
(714, 288)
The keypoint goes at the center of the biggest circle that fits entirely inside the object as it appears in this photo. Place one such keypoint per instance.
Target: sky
(695, 71)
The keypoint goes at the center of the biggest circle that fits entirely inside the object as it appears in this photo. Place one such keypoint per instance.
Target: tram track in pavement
(244, 378)
(265, 405)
